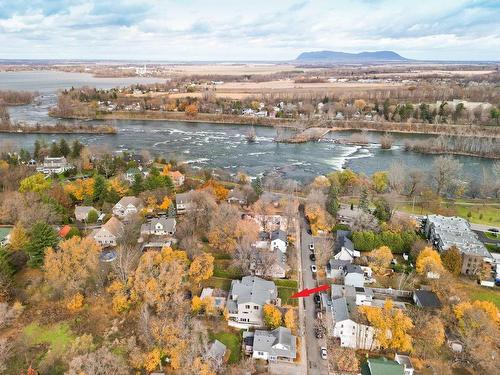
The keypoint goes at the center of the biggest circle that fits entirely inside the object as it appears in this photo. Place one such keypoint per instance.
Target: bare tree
(100, 362)
(445, 173)
(127, 258)
(364, 221)
(5, 353)
(323, 247)
(397, 175)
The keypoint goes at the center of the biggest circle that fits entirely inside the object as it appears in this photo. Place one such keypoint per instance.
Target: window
(256, 307)
(247, 306)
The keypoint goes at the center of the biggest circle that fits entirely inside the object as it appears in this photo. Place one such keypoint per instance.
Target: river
(205, 145)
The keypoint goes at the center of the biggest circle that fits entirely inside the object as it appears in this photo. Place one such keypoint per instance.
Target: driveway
(315, 365)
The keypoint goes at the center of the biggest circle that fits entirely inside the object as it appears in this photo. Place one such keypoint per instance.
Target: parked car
(494, 230)
(311, 246)
(317, 299)
(312, 257)
(313, 268)
(309, 232)
(318, 333)
(323, 353)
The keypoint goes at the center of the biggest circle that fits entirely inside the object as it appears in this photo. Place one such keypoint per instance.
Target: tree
(343, 359)
(257, 186)
(332, 201)
(383, 209)
(70, 269)
(272, 316)
(159, 277)
(380, 182)
(391, 325)
(397, 175)
(191, 110)
(428, 334)
(92, 216)
(429, 261)
(202, 268)
(364, 221)
(223, 231)
(380, 258)
(36, 183)
(445, 173)
(19, 238)
(452, 260)
(363, 200)
(64, 149)
(100, 189)
(42, 236)
(100, 362)
(165, 204)
(290, 319)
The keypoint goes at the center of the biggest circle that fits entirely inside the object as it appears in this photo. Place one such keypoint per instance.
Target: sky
(267, 30)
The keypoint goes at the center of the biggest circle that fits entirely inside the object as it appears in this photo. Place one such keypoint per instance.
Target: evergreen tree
(138, 184)
(257, 186)
(332, 202)
(100, 189)
(24, 155)
(42, 236)
(64, 149)
(36, 152)
(54, 150)
(76, 149)
(363, 200)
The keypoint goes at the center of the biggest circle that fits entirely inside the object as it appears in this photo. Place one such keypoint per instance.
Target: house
(246, 300)
(109, 233)
(361, 296)
(269, 264)
(216, 352)
(445, 232)
(5, 235)
(82, 212)
(335, 268)
(130, 174)
(263, 241)
(159, 226)
(344, 248)
(218, 295)
(52, 165)
(354, 275)
(183, 202)
(64, 231)
(426, 299)
(139, 159)
(177, 178)
(126, 206)
(405, 361)
(276, 345)
(279, 241)
(346, 326)
(381, 366)
(236, 196)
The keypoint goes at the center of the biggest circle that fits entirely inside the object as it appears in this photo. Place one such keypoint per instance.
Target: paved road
(315, 365)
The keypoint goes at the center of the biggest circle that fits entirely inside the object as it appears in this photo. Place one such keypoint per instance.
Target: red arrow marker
(308, 292)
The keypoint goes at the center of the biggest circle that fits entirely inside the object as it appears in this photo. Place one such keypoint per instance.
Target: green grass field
(285, 293)
(218, 283)
(58, 336)
(232, 342)
(486, 295)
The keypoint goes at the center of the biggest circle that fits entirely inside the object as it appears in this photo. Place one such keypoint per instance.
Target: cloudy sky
(247, 30)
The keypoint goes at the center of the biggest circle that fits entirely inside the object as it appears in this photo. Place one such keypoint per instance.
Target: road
(315, 365)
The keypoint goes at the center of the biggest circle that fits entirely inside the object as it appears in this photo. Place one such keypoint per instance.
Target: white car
(313, 268)
(311, 246)
(323, 352)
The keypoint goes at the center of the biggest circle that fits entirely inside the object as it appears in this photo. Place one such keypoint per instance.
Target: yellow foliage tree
(119, 186)
(80, 189)
(202, 268)
(69, 269)
(36, 183)
(152, 359)
(165, 204)
(380, 258)
(316, 216)
(196, 305)
(18, 238)
(272, 316)
(429, 261)
(290, 319)
(159, 277)
(220, 191)
(202, 368)
(75, 303)
(391, 326)
(122, 296)
(486, 306)
(380, 181)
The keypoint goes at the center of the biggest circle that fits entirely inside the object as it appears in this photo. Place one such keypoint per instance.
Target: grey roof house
(246, 300)
(159, 226)
(276, 345)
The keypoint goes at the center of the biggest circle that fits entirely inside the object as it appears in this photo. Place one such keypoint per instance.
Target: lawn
(492, 236)
(285, 293)
(486, 295)
(286, 283)
(223, 268)
(232, 342)
(217, 283)
(58, 336)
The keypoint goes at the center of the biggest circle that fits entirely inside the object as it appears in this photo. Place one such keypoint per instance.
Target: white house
(279, 241)
(82, 212)
(183, 202)
(344, 248)
(275, 345)
(127, 206)
(246, 300)
(54, 165)
(345, 326)
(160, 226)
(109, 233)
(405, 361)
(354, 275)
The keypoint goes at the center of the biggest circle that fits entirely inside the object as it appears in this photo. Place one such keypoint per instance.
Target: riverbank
(58, 129)
(333, 125)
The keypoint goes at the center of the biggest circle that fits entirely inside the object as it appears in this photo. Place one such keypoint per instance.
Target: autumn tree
(290, 319)
(100, 362)
(452, 260)
(343, 359)
(391, 325)
(429, 261)
(445, 173)
(71, 268)
(36, 183)
(202, 268)
(191, 110)
(222, 234)
(428, 334)
(218, 189)
(380, 181)
(272, 316)
(42, 236)
(380, 258)
(19, 238)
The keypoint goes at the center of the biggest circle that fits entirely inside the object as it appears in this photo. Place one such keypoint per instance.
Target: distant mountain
(344, 57)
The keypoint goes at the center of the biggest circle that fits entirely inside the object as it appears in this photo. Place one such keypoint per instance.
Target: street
(315, 365)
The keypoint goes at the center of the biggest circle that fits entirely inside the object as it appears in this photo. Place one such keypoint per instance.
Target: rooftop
(253, 289)
(279, 342)
(427, 298)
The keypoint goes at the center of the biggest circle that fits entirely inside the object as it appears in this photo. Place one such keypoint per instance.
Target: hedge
(398, 242)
